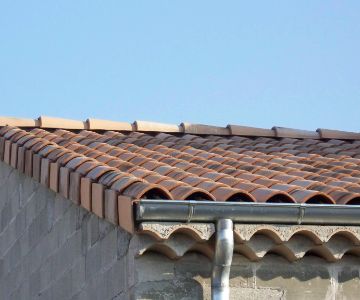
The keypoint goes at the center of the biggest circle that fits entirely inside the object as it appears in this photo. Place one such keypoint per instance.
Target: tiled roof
(99, 163)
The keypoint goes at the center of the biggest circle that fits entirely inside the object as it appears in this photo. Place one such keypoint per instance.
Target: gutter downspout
(224, 247)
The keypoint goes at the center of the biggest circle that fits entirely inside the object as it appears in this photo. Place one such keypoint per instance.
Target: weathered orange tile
(85, 193)
(64, 178)
(111, 206)
(97, 199)
(14, 155)
(74, 187)
(36, 167)
(45, 172)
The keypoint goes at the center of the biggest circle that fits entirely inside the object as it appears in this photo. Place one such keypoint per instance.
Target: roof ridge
(184, 127)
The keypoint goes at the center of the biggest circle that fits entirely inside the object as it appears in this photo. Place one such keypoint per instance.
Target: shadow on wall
(309, 267)
(196, 267)
(189, 277)
(162, 278)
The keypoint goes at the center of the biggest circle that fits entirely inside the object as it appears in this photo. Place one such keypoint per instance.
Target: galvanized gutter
(245, 212)
(225, 213)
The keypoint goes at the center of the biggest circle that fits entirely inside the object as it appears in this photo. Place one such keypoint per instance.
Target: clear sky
(257, 63)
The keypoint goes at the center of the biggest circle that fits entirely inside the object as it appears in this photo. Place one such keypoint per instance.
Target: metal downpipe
(224, 247)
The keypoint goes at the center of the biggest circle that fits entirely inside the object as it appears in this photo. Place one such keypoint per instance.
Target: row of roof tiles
(105, 171)
(198, 129)
(185, 172)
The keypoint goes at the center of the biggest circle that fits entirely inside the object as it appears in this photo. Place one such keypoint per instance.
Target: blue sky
(257, 63)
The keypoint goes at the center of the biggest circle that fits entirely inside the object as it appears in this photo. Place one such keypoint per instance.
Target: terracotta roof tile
(51, 122)
(183, 192)
(204, 129)
(10, 121)
(337, 134)
(294, 133)
(94, 124)
(95, 163)
(155, 127)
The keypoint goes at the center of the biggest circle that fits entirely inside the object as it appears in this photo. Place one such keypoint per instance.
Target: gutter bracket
(224, 247)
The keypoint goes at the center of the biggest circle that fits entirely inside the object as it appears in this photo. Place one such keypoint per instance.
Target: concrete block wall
(53, 249)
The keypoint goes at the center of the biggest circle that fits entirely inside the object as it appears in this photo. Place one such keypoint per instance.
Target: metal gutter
(245, 212)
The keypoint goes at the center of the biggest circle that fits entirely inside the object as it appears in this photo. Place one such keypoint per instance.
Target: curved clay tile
(266, 172)
(177, 174)
(31, 142)
(142, 190)
(246, 186)
(182, 165)
(184, 192)
(228, 180)
(122, 166)
(75, 147)
(139, 160)
(110, 177)
(24, 139)
(209, 186)
(193, 180)
(40, 145)
(287, 188)
(326, 189)
(126, 156)
(154, 178)
(116, 152)
(139, 172)
(311, 197)
(151, 165)
(93, 154)
(123, 182)
(220, 168)
(355, 188)
(17, 136)
(47, 150)
(55, 154)
(248, 176)
(66, 157)
(99, 171)
(351, 179)
(65, 143)
(231, 195)
(170, 184)
(86, 167)
(7, 132)
(285, 178)
(198, 171)
(143, 152)
(213, 176)
(265, 182)
(344, 197)
(103, 147)
(164, 170)
(270, 195)
(104, 158)
(168, 160)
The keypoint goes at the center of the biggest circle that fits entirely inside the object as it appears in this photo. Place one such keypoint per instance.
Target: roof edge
(47, 122)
